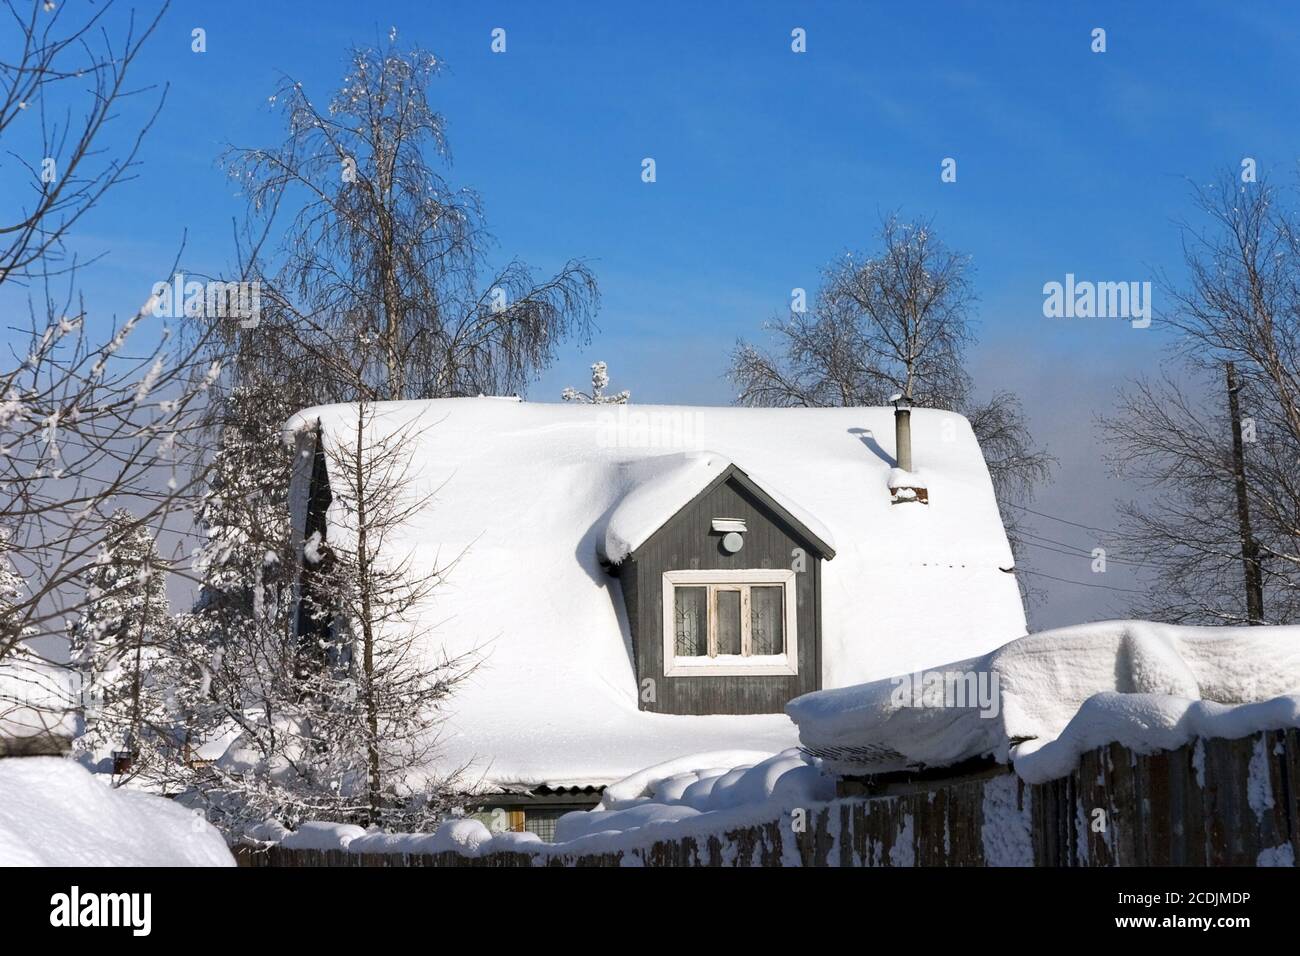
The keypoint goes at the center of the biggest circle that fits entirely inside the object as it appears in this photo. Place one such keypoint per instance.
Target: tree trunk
(1249, 549)
(133, 733)
(375, 781)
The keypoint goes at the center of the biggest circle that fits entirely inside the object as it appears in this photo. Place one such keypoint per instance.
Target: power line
(1082, 584)
(1043, 514)
(1073, 552)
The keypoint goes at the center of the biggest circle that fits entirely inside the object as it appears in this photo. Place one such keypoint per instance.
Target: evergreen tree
(244, 513)
(120, 643)
(233, 643)
(11, 585)
(597, 396)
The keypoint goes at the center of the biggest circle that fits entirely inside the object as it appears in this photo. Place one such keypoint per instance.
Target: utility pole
(1249, 549)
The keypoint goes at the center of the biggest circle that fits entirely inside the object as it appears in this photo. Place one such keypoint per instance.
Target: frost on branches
(119, 645)
(599, 382)
(11, 592)
(329, 709)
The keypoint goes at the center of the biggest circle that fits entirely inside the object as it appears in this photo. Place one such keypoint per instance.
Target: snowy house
(646, 582)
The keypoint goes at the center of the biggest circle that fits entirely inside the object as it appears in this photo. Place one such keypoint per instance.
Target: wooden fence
(1211, 803)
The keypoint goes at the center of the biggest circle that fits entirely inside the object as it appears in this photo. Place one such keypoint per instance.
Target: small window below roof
(721, 623)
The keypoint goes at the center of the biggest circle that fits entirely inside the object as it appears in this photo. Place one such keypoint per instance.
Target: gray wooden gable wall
(686, 542)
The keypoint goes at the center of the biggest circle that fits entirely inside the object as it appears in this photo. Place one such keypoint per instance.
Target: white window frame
(731, 665)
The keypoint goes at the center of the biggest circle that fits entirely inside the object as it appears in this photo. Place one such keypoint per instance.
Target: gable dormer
(723, 596)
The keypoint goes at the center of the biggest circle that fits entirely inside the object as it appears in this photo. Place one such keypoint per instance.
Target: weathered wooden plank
(1214, 802)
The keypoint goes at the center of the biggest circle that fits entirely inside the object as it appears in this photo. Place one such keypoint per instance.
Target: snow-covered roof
(1041, 700)
(530, 498)
(38, 704)
(666, 483)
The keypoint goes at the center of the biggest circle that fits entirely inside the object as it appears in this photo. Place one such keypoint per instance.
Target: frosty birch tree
(83, 427)
(1201, 533)
(895, 322)
(380, 243)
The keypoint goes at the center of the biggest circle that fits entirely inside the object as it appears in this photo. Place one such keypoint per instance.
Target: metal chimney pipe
(903, 431)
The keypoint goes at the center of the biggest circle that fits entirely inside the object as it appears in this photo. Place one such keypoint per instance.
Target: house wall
(687, 542)
(312, 631)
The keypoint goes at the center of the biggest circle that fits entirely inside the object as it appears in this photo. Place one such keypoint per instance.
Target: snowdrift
(1149, 686)
(695, 795)
(54, 813)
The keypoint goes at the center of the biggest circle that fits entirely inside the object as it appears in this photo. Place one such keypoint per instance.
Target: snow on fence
(1213, 802)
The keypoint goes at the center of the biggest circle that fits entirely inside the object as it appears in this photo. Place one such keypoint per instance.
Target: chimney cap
(901, 402)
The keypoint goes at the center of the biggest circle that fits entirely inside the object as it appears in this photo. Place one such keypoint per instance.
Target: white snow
(1259, 783)
(898, 478)
(36, 700)
(528, 497)
(1006, 833)
(702, 789)
(695, 795)
(54, 813)
(662, 485)
(1149, 686)
(316, 835)
(643, 783)
(1146, 723)
(1281, 855)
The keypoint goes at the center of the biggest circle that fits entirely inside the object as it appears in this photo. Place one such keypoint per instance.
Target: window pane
(728, 622)
(690, 613)
(766, 620)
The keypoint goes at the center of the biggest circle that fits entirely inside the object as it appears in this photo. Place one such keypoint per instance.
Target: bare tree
(380, 609)
(381, 244)
(335, 721)
(87, 423)
(1219, 531)
(895, 322)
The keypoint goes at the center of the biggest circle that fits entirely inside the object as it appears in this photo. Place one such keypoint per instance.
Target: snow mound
(1038, 684)
(315, 835)
(1146, 723)
(642, 783)
(697, 795)
(898, 478)
(473, 838)
(54, 813)
(707, 790)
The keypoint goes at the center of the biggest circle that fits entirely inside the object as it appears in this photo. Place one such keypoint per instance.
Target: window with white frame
(719, 623)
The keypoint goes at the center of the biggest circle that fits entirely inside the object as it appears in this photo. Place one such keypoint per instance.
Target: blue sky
(769, 164)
